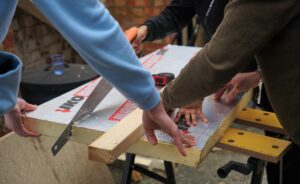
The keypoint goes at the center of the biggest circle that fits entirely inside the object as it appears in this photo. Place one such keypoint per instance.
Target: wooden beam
(260, 119)
(255, 145)
(117, 140)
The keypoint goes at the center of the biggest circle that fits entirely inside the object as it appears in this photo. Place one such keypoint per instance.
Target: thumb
(141, 35)
(29, 107)
(218, 94)
(151, 136)
(138, 40)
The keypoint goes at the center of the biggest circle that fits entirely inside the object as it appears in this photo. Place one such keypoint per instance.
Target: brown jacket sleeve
(248, 25)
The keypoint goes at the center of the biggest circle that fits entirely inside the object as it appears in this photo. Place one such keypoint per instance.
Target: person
(272, 35)
(210, 14)
(177, 15)
(96, 36)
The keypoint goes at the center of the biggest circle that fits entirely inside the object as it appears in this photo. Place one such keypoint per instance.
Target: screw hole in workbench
(230, 140)
(275, 146)
(244, 109)
(241, 133)
(266, 114)
(257, 119)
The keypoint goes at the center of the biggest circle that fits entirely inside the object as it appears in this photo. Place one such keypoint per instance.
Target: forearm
(97, 37)
(10, 73)
(239, 37)
(7, 10)
(171, 20)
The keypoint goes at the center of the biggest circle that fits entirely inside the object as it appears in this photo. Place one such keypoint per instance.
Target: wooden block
(260, 119)
(107, 148)
(118, 139)
(255, 145)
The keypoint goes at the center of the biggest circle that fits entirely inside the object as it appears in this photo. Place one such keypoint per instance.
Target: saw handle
(131, 33)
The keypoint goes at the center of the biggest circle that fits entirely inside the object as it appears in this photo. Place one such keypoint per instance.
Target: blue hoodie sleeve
(99, 40)
(7, 10)
(10, 65)
(10, 72)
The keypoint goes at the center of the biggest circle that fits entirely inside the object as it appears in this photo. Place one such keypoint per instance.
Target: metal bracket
(254, 165)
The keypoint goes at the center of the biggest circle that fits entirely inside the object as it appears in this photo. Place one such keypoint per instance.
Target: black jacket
(179, 13)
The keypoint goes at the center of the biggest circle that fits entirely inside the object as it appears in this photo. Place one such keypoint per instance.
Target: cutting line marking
(88, 88)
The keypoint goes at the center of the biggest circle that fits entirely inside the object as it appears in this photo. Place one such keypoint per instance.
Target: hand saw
(95, 98)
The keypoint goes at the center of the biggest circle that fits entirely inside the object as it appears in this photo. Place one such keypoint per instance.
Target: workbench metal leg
(254, 165)
(127, 171)
(258, 167)
(170, 173)
(129, 166)
(281, 171)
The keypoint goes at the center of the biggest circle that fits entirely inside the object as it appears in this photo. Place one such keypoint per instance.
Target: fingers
(138, 48)
(218, 94)
(187, 117)
(157, 118)
(13, 120)
(29, 107)
(193, 117)
(24, 132)
(231, 95)
(187, 139)
(151, 137)
(178, 143)
(20, 129)
(178, 116)
(23, 105)
(202, 116)
(181, 139)
(141, 35)
(190, 116)
(149, 126)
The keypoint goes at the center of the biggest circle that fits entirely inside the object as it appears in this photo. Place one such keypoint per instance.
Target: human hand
(191, 112)
(158, 119)
(239, 83)
(13, 119)
(141, 35)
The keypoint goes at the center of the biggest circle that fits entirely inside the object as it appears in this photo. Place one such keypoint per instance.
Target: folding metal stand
(130, 165)
(254, 165)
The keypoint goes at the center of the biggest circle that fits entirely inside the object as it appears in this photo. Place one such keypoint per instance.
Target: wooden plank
(29, 160)
(255, 145)
(51, 117)
(163, 151)
(260, 119)
(118, 139)
(29, 7)
(108, 147)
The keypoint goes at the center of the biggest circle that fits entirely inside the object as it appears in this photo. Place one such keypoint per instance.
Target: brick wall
(8, 43)
(134, 12)
(35, 41)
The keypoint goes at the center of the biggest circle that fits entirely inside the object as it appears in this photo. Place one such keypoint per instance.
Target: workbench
(115, 111)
